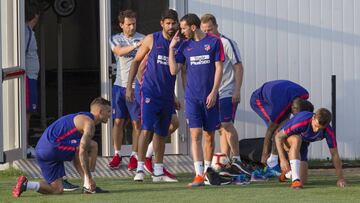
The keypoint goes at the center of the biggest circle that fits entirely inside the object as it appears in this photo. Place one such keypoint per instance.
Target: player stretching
(274, 101)
(297, 134)
(68, 138)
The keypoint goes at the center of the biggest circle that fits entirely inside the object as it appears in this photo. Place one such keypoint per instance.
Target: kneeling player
(68, 138)
(304, 128)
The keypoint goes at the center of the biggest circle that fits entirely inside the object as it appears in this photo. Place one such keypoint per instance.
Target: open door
(12, 82)
(148, 21)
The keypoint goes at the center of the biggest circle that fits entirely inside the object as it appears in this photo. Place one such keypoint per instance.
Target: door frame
(16, 56)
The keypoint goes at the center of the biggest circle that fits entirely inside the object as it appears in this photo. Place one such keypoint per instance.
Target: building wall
(305, 41)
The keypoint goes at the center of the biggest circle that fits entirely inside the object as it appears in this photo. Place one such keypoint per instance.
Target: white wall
(305, 41)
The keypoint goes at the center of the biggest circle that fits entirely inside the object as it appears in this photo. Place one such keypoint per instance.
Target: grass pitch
(320, 188)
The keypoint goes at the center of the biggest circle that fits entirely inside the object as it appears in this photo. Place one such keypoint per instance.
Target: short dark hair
(305, 105)
(100, 101)
(323, 116)
(30, 11)
(169, 14)
(207, 18)
(126, 14)
(191, 19)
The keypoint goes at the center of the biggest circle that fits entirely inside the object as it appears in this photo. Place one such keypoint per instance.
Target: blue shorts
(156, 115)
(121, 108)
(227, 110)
(51, 163)
(267, 111)
(198, 116)
(32, 95)
(304, 151)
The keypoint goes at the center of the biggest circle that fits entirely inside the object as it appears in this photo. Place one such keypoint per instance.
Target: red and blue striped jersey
(300, 124)
(62, 134)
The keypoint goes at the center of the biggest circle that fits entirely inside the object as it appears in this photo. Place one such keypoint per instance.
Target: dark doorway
(81, 55)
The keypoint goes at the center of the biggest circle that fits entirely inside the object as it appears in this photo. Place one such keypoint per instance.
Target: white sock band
(199, 168)
(295, 169)
(33, 186)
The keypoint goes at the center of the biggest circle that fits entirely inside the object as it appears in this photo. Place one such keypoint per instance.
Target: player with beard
(157, 94)
(204, 56)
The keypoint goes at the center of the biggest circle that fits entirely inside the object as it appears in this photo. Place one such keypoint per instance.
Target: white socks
(207, 164)
(133, 154)
(158, 169)
(117, 152)
(199, 168)
(33, 186)
(295, 169)
(140, 166)
(273, 160)
(150, 150)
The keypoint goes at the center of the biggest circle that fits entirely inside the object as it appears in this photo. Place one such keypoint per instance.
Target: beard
(171, 32)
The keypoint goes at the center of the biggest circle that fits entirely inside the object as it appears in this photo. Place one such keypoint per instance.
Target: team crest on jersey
(207, 47)
(147, 100)
(73, 141)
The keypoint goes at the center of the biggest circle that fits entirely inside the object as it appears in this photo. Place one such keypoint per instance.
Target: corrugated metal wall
(305, 41)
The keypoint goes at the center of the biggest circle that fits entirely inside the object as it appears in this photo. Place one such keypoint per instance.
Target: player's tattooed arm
(279, 140)
(88, 133)
(267, 141)
(338, 167)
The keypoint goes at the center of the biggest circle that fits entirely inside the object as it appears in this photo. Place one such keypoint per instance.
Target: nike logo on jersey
(189, 49)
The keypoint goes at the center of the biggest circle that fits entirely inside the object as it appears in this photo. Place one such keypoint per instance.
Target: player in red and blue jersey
(68, 138)
(157, 94)
(274, 101)
(297, 134)
(203, 54)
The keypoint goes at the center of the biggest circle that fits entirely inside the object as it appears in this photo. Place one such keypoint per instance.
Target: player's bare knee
(174, 125)
(118, 122)
(294, 140)
(136, 125)
(209, 139)
(196, 138)
(227, 126)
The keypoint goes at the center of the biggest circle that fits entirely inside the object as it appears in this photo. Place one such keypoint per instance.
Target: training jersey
(32, 65)
(123, 63)
(278, 96)
(157, 81)
(62, 134)
(232, 57)
(300, 124)
(200, 57)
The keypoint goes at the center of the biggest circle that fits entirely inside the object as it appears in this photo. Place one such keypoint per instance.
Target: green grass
(321, 188)
(11, 172)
